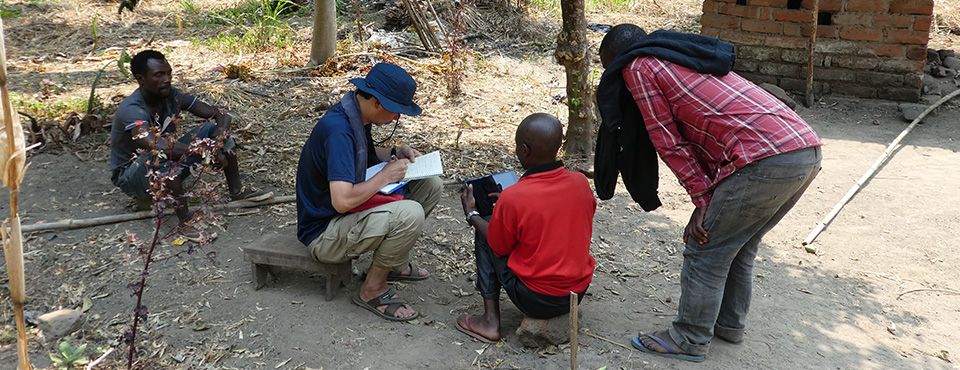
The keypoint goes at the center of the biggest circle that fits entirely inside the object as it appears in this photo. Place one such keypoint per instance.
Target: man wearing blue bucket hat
(341, 214)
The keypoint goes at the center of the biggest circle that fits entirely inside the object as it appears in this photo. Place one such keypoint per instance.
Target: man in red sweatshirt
(536, 245)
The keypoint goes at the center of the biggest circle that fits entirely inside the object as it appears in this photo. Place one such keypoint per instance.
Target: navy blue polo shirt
(328, 155)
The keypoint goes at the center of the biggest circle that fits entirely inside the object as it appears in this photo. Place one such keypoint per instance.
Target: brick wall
(865, 48)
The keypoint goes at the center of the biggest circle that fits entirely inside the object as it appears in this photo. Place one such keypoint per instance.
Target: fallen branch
(856, 187)
(97, 221)
(945, 291)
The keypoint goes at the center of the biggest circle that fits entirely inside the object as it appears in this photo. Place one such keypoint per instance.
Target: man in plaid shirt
(744, 157)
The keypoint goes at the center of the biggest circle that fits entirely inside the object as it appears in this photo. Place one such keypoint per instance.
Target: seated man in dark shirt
(536, 245)
(341, 214)
(143, 121)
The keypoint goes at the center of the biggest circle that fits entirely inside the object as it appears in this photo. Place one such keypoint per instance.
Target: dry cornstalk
(12, 159)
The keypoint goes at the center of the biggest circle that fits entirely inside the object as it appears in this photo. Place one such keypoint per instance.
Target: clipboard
(485, 185)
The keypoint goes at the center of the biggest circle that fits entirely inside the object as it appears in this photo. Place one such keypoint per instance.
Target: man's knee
(409, 213)
(433, 185)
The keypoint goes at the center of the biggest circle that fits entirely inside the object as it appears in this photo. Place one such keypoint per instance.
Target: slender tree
(324, 43)
(573, 53)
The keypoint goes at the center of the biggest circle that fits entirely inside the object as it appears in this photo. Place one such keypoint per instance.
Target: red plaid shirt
(706, 127)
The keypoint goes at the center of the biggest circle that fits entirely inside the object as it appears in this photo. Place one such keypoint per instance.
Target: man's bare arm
(204, 110)
(146, 138)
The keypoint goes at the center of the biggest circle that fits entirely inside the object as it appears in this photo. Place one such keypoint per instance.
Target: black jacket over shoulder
(623, 143)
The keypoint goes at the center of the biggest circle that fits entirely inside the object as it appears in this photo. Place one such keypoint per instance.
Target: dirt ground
(878, 294)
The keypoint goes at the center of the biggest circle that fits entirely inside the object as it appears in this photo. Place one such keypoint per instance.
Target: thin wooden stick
(944, 291)
(810, 56)
(603, 339)
(856, 187)
(96, 362)
(574, 346)
(97, 221)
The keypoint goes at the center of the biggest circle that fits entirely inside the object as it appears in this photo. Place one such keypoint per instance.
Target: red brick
(827, 32)
(766, 14)
(853, 19)
(787, 42)
(720, 21)
(922, 24)
(917, 53)
(710, 7)
(889, 50)
(712, 32)
(825, 5)
(788, 15)
(770, 3)
(907, 37)
(751, 25)
(922, 7)
(865, 5)
(892, 21)
(744, 11)
(861, 34)
(805, 30)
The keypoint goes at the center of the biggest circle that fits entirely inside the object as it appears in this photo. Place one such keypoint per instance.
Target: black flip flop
(387, 298)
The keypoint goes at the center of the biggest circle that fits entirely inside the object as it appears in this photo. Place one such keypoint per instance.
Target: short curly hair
(138, 65)
(619, 39)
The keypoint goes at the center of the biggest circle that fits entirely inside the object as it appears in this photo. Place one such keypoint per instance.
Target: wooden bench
(273, 251)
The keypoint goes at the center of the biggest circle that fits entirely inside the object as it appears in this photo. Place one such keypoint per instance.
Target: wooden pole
(574, 329)
(863, 180)
(810, 55)
(96, 221)
(12, 242)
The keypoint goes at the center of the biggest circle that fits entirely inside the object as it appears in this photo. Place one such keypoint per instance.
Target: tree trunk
(324, 43)
(572, 52)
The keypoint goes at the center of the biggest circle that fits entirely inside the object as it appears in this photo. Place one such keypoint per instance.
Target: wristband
(471, 214)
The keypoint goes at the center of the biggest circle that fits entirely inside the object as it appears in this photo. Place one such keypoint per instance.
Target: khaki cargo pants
(389, 231)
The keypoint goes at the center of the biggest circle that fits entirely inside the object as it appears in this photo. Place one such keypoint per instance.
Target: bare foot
(478, 326)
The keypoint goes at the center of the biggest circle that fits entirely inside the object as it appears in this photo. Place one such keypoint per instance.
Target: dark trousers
(493, 274)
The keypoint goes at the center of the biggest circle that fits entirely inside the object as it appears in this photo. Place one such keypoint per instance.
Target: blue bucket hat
(392, 86)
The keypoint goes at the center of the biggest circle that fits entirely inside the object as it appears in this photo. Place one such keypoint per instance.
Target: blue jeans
(717, 277)
(132, 179)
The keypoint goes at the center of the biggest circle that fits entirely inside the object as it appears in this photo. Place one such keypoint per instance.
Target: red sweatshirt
(545, 222)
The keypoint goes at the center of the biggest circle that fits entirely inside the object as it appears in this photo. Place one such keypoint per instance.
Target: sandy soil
(879, 294)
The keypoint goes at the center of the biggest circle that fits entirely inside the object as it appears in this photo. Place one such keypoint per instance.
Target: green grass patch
(252, 26)
(9, 11)
(51, 109)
